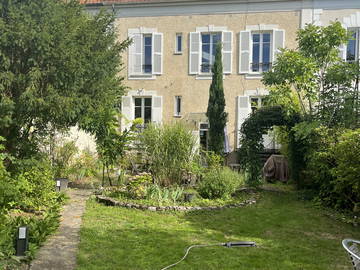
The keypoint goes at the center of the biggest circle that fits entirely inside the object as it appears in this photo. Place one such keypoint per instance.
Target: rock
(152, 208)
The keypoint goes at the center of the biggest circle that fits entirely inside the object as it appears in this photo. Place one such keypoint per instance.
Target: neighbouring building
(168, 65)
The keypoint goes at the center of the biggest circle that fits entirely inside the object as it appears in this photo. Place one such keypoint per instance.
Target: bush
(164, 194)
(137, 185)
(170, 149)
(333, 167)
(219, 183)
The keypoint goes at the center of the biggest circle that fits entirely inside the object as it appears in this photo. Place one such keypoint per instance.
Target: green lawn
(290, 234)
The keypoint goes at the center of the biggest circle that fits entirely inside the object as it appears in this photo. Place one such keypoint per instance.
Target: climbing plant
(251, 140)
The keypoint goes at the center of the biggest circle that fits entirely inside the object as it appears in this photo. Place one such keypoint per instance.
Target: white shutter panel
(244, 51)
(342, 52)
(227, 37)
(127, 112)
(135, 55)
(194, 55)
(278, 42)
(156, 115)
(157, 39)
(196, 134)
(243, 111)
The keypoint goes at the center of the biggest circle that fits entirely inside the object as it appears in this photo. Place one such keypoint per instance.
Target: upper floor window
(352, 48)
(145, 53)
(258, 49)
(178, 43)
(147, 56)
(261, 52)
(208, 50)
(203, 48)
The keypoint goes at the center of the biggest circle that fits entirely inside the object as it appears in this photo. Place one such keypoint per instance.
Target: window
(204, 135)
(147, 56)
(177, 105)
(178, 43)
(208, 49)
(143, 108)
(145, 53)
(352, 48)
(258, 49)
(202, 50)
(261, 52)
(257, 102)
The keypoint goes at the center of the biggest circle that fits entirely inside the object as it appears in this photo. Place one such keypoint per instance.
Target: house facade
(168, 65)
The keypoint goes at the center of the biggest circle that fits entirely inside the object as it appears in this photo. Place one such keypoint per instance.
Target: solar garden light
(22, 241)
(58, 185)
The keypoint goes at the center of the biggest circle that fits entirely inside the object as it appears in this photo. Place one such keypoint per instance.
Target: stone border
(111, 202)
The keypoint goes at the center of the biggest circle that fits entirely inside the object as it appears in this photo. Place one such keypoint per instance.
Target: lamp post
(22, 241)
(58, 185)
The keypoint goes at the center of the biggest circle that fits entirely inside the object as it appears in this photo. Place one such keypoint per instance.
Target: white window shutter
(156, 115)
(278, 42)
(227, 38)
(244, 51)
(243, 111)
(157, 58)
(342, 52)
(194, 55)
(135, 55)
(127, 112)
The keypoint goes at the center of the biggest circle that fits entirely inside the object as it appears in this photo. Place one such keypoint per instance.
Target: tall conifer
(216, 114)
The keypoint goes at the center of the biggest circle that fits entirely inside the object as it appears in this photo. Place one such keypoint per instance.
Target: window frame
(211, 50)
(357, 44)
(261, 44)
(178, 106)
(143, 106)
(177, 51)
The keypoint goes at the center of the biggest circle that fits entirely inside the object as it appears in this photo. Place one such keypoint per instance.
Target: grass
(290, 234)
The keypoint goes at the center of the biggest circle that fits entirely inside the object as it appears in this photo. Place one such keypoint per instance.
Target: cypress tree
(216, 114)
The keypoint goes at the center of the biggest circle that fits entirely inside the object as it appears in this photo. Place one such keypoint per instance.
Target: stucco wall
(175, 79)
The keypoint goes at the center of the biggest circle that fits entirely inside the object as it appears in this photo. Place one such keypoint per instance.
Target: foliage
(170, 149)
(219, 183)
(110, 142)
(251, 141)
(214, 160)
(164, 194)
(62, 158)
(326, 87)
(332, 167)
(137, 185)
(216, 106)
(59, 67)
(85, 165)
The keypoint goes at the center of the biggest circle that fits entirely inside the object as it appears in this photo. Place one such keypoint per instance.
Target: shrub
(169, 150)
(219, 183)
(333, 167)
(137, 185)
(164, 194)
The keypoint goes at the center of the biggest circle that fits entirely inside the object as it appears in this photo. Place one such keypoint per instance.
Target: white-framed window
(147, 105)
(178, 43)
(352, 46)
(143, 108)
(209, 42)
(258, 49)
(178, 106)
(257, 102)
(261, 51)
(202, 49)
(145, 53)
(204, 135)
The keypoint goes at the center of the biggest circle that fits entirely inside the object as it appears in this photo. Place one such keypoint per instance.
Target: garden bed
(112, 202)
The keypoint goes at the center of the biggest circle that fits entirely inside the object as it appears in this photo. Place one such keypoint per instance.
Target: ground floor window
(257, 103)
(143, 107)
(204, 135)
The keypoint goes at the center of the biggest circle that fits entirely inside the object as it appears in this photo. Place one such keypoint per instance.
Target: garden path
(59, 251)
